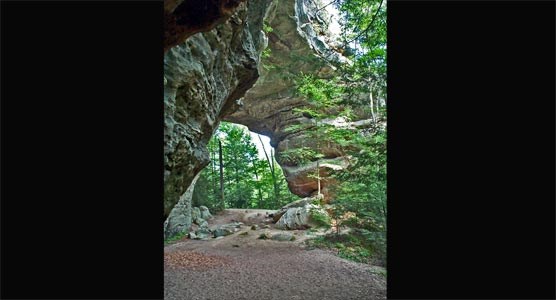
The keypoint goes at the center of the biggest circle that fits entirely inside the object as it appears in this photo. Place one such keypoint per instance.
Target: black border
(471, 150)
(82, 136)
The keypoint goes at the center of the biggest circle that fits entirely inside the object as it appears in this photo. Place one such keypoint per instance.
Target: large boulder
(282, 237)
(203, 234)
(203, 224)
(227, 229)
(205, 213)
(300, 217)
(179, 220)
(223, 232)
(196, 215)
(299, 203)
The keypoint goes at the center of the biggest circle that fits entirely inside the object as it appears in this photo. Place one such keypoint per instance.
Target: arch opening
(242, 172)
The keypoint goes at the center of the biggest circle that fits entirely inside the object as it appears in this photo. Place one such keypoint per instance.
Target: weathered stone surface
(299, 43)
(203, 234)
(299, 203)
(196, 215)
(294, 218)
(211, 77)
(179, 220)
(282, 237)
(298, 215)
(204, 76)
(205, 213)
(203, 224)
(223, 231)
(227, 229)
(264, 236)
(183, 18)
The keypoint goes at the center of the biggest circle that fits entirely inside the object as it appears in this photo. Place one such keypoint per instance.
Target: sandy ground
(245, 267)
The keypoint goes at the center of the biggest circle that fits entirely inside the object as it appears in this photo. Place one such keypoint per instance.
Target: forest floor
(241, 266)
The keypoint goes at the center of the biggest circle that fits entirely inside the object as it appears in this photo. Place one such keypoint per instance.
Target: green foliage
(354, 246)
(321, 93)
(269, 67)
(266, 53)
(298, 155)
(364, 27)
(357, 92)
(357, 253)
(267, 28)
(175, 238)
(321, 219)
(360, 201)
(248, 182)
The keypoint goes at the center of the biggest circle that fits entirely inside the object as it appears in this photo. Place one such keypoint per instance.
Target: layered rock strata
(203, 79)
(218, 75)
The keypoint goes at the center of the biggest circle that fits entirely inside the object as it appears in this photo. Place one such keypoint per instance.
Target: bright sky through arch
(266, 141)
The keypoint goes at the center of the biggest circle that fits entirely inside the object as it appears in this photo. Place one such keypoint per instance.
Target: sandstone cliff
(219, 75)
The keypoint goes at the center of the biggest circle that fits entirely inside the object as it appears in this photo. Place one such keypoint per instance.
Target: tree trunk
(372, 106)
(274, 181)
(318, 158)
(271, 166)
(222, 204)
(213, 173)
(238, 192)
(318, 177)
(254, 162)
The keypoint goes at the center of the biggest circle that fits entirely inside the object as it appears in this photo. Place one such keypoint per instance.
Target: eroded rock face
(299, 43)
(183, 18)
(299, 203)
(211, 77)
(180, 219)
(203, 78)
(205, 213)
(299, 214)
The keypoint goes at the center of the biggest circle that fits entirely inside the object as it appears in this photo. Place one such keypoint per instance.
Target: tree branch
(365, 31)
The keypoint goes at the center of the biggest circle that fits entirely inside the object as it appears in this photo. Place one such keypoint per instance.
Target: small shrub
(175, 237)
(356, 246)
(266, 53)
(267, 28)
(320, 218)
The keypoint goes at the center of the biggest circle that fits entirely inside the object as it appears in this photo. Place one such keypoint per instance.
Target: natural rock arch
(217, 75)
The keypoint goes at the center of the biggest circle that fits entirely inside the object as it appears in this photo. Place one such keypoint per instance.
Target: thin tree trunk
(222, 204)
(213, 172)
(258, 183)
(372, 106)
(318, 177)
(276, 189)
(318, 159)
(237, 185)
(271, 166)
(385, 217)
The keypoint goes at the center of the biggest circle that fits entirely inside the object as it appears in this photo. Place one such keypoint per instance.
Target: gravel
(244, 267)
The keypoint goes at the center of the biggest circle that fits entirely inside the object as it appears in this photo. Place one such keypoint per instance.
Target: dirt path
(244, 267)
